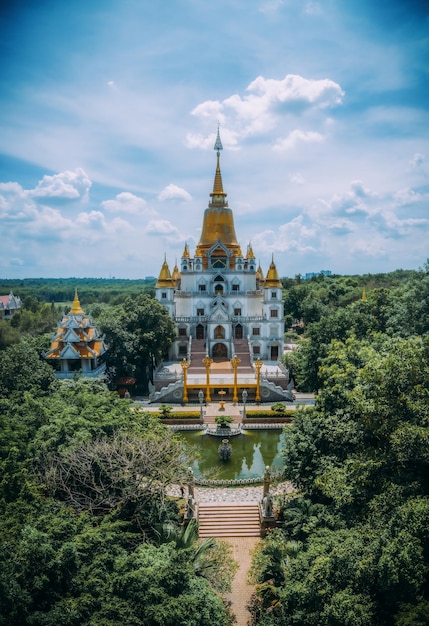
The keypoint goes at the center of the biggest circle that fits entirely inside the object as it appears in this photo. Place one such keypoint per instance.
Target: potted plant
(223, 421)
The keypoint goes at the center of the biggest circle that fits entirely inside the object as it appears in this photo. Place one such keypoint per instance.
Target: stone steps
(228, 520)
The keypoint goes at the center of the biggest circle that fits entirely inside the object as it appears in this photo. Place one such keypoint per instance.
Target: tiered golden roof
(164, 278)
(176, 276)
(272, 279)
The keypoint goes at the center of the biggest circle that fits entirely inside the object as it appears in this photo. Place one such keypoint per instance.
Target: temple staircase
(241, 349)
(198, 352)
(228, 519)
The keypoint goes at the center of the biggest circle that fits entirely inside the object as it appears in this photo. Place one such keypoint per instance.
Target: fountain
(225, 450)
(253, 450)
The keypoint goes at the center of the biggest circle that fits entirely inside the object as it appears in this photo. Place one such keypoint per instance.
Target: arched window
(219, 332)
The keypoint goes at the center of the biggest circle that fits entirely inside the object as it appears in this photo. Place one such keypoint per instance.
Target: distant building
(77, 347)
(309, 275)
(9, 305)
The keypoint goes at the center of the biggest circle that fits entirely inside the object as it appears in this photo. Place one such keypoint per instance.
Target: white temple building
(223, 306)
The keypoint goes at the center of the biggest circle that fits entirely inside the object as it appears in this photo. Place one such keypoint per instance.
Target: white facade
(221, 296)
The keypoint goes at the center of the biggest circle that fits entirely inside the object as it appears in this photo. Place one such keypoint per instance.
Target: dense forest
(88, 534)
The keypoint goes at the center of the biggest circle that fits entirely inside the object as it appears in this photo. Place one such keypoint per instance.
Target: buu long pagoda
(228, 315)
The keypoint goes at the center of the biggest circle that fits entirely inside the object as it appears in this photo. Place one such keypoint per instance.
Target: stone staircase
(198, 352)
(241, 349)
(229, 519)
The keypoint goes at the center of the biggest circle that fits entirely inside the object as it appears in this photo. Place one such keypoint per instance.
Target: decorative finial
(218, 145)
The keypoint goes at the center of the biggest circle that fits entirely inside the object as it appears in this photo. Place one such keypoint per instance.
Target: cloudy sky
(109, 111)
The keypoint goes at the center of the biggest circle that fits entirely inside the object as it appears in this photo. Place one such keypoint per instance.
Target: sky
(109, 111)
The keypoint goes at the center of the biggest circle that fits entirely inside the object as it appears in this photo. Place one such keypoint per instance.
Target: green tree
(138, 334)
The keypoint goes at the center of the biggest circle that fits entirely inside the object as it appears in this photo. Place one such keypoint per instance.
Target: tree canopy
(360, 462)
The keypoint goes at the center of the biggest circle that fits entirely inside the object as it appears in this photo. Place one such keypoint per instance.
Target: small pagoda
(77, 346)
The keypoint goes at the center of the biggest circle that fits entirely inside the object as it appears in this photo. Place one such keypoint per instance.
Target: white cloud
(417, 160)
(66, 185)
(164, 228)
(294, 88)
(313, 8)
(173, 192)
(126, 202)
(292, 236)
(271, 6)
(296, 136)
(261, 110)
(297, 178)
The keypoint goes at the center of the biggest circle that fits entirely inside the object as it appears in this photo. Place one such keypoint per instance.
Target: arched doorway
(199, 331)
(238, 332)
(274, 353)
(219, 351)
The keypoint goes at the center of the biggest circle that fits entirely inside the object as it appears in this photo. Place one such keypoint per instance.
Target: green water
(251, 453)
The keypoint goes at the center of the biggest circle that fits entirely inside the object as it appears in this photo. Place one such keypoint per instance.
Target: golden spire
(218, 223)
(259, 273)
(250, 254)
(176, 276)
(76, 308)
(185, 254)
(364, 295)
(218, 196)
(272, 279)
(164, 278)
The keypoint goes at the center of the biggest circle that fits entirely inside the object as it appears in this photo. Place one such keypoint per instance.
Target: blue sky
(109, 111)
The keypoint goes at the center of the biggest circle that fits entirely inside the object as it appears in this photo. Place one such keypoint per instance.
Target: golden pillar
(185, 365)
(258, 365)
(207, 361)
(235, 362)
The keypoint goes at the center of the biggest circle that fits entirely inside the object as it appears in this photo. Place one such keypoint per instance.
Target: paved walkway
(242, 548)
(233, 494)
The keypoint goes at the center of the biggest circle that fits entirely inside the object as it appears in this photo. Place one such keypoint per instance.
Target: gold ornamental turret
(272, 279)
(218, 223)
(164, 278)
(76, 308)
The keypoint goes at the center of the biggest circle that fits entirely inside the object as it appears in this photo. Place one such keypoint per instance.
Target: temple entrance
(219, 351)
(274, 353)
(239, 332)
(199, 331)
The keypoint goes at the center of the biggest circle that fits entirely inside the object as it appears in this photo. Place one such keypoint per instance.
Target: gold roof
(272, 279)
(164, 278)
(218, 222)
(176, 275)
(76, 308)
(250, 254)
(185, 254)
(259, 273)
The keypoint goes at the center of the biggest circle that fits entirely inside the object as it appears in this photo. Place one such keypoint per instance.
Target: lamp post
(201, 400)
(258, 365)
(185, 365)
(244, 396)
(235, 361)
(207, 361)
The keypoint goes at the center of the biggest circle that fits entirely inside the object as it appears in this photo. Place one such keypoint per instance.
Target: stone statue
(190, 507)
(267, 481)
(267, 504)
(191, 482)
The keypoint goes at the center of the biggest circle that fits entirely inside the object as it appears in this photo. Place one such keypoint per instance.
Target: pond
(252, 451)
